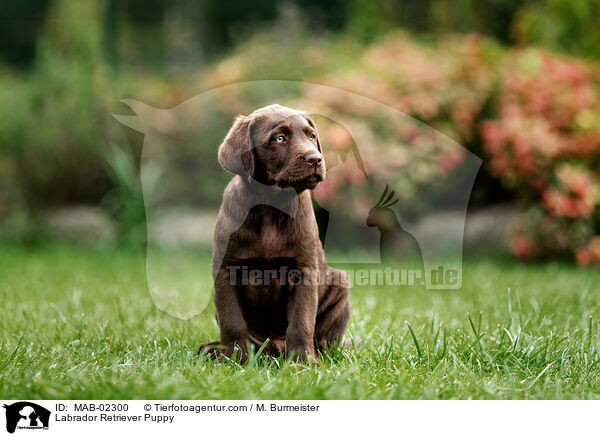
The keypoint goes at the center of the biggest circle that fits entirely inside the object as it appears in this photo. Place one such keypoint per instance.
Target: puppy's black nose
(314, 159)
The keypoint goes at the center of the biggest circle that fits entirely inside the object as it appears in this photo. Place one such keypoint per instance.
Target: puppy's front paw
(302, 351)
(237, 352)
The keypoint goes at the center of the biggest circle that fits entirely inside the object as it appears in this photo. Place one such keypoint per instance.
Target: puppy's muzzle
(313, 159)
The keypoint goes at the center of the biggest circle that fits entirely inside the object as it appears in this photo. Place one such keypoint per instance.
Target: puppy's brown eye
(280, 139)
(312, 136)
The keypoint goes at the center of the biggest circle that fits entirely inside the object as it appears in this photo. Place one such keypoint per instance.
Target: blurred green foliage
(126, 200)
(55, 118)
(567, 25)
(157, 33)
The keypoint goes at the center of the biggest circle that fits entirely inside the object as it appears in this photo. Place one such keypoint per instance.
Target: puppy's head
(275, 145)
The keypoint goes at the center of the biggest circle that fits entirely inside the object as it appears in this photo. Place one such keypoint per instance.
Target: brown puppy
(271, 278)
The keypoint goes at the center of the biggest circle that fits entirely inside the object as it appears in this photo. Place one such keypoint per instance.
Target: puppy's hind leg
(210, 348)
(333, 312)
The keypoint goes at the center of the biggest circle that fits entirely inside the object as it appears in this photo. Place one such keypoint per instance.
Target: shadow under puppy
(271, 278)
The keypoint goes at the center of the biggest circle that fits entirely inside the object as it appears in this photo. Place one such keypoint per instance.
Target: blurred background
(515, 82)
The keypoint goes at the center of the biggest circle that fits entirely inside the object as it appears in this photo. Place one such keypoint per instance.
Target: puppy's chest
(269, 237)
(271, 241)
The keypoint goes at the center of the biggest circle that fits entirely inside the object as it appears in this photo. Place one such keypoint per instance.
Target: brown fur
(267, 222)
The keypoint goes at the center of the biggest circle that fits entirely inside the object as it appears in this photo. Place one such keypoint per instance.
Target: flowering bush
(545, 144)
(446, 87)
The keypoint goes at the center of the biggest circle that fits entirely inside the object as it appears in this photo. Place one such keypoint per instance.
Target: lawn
(78, 323)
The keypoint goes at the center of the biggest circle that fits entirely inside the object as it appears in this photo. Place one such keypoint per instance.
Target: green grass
(78, 323)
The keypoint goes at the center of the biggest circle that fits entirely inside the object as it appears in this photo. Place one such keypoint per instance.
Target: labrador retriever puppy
(272, 283)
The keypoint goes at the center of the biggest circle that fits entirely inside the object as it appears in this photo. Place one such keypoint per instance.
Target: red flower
(521, 246)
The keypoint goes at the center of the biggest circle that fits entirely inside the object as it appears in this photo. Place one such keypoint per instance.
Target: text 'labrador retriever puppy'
(272, 282)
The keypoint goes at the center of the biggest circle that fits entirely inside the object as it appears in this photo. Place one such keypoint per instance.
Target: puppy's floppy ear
(312, 124)
(235, 152)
